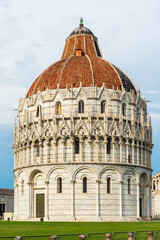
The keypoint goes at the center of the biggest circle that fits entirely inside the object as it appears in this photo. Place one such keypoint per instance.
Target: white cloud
(152, 91)
(154, 105)
(155, 117)
(10, 95)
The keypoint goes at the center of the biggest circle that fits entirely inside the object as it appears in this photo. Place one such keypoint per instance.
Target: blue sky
(32, 37)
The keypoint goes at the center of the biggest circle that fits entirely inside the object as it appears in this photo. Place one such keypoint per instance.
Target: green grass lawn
(11, 229)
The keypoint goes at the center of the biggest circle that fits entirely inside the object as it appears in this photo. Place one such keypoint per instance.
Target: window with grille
(76, 146)
(154, 186)
(22, 187)
(129, 186)
(129, 158)
(109, 146)
(103, 104)
(38, 111)
(59, 185)
(37, 149)
(108, 185)
(85, 185)
(81, 107)
(124, 109)
(58, 108)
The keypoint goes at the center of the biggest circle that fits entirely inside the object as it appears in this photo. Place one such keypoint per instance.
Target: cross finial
(81, 22)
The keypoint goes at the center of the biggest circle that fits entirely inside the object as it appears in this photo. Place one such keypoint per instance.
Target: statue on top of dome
(81, 22)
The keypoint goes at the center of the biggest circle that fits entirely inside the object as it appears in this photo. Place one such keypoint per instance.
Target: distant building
(156, 194)
(6, 201)
(82, 141)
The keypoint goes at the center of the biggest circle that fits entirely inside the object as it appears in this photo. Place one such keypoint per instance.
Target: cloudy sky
(32, 37)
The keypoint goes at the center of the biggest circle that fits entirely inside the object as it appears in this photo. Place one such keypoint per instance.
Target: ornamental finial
(81, 22)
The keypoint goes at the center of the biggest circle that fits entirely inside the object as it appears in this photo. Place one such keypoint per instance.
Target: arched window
(154, 185)
(81, 107)
(59, 185)
(108, 185)
(109, 146)
(43, 149)
(124, 109)
(37, 148)
(103, 104)
(85, 185)
(25, 152)
(76, 144)
(129, 185)
(38, 111)
(22, 187)
(58, 108)
(129, 158)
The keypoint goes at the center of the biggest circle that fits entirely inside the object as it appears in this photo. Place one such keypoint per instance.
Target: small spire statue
(81, 22)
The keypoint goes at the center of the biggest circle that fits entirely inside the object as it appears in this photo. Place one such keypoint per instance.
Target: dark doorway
(39, 205)
(2, 209)
(141, 207)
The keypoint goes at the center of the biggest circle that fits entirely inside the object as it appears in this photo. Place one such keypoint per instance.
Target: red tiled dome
(81, 63)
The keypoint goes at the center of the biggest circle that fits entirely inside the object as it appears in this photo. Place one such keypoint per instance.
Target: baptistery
(82, 141)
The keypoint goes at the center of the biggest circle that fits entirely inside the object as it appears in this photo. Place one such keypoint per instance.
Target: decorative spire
(81, 22)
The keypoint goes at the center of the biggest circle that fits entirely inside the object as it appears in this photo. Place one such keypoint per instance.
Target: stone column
(150, 199)
(81, 149)
(138, 200)
(72, 200)
(106, 141)
(17, 199)
(97, 152)
(55, 151)
(147, 200)
(133, 160)
(120, 199)
(18, 163)
(72, 150)
(15, 159)
(120, 149)
(141, 147)
(40, 153)
(98, 199)
(29, 155)
(145, 156)
(47, 152)
(127, 143)
(23, 156)
(20, 154)
(113, 145)
(30, 200)
(46, 200)
(89, 152)
(150, 158)
(32, 153)
(63, 150)
(138, 159)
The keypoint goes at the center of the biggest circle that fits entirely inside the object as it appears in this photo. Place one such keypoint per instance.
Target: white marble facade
(97, 142)
(156, 195)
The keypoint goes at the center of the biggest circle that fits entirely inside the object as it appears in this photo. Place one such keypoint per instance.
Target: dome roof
(81, 64)
(81, 30)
